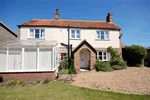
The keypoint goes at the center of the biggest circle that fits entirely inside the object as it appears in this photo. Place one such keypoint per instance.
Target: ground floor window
(102, 55)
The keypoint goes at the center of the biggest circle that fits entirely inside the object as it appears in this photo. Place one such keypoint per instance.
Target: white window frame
(75, 34)
(102, 55)
(34, 32)
(104, 35)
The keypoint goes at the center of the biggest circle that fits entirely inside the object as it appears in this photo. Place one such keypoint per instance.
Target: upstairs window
(102, 55)
(75, 34)
(103, 35)
(37, 33)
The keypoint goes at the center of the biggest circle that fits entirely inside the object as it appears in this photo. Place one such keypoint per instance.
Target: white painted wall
(61, 35)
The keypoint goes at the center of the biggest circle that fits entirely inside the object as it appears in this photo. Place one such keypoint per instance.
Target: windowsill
(75, 39)
(103, 60)
(102, 39)
(36, 38)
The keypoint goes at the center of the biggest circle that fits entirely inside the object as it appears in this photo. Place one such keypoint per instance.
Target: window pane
(36, 30)
(77, 34)
(107, 35)
(98, 34)
(37, 33)
(100, 57)
(104, 53)
(102, 34)
(100, 53)
(42, 33)
(31, 33)
(104, 57)
(72, 33)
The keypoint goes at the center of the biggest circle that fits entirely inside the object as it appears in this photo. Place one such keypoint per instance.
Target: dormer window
(75, 34)
(102, 35)
(37, 33)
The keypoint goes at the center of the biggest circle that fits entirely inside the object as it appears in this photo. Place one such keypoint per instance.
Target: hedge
(134, 55)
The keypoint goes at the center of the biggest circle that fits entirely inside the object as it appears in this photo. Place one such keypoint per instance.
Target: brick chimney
(56, 14)
(109, 18)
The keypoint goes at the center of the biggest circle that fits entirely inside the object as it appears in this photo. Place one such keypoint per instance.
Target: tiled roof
(71, 23)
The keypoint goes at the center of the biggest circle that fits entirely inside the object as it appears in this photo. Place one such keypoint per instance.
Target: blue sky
(132, 16)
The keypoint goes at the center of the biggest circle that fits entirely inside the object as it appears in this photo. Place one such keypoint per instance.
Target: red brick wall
(19, 33)
(29, 75)
(77, 61)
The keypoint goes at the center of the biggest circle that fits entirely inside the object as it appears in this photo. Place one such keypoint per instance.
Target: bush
(102, 66)
(47, 80)
(15, 82)
(38, 81)
(72, 69)
(21, 82)
(64, 62)
(134, 55)
(118, 64)
(147, 61)
(63, 71)
(114, 53)
(1, 78)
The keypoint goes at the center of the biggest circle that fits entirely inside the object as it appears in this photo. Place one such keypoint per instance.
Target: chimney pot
(109, 18)
(57, 14)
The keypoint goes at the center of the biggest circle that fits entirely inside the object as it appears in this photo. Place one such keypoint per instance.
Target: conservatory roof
(30, 43)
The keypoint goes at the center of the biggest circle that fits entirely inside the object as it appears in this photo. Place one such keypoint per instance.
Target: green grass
(62, 91)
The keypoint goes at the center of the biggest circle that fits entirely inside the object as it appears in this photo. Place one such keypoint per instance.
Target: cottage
(89, 39)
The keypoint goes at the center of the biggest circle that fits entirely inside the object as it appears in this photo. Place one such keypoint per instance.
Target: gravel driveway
(134, 80)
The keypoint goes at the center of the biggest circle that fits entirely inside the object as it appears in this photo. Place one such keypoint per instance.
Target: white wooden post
(37, 57)
(7, 52)
(53, 58)
(22, 58)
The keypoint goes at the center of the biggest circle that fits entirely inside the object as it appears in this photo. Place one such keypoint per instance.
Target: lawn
(62, 91)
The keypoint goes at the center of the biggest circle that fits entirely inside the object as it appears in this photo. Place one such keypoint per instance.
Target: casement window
(75, 34)
(102, 55)
(103, 35)
(36, 33)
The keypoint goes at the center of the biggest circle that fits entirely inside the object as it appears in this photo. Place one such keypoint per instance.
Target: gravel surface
(133, 80)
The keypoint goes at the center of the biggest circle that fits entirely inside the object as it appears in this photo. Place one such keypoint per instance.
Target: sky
(132, 16)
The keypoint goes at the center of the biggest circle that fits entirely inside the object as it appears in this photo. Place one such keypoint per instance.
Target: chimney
(56, 14)
(109, 18)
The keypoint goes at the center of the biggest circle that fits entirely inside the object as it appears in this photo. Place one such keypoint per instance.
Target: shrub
(134, 55)
(47, 80)
(72, 69)
(102, 66)
(38, 81)
(114, 53)
(1, 78)
(64, 62)
(20, 82)
(63, 71)
(15, 82)
(118, 64)
(147, 61)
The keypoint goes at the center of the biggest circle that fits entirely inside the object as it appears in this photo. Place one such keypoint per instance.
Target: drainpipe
(68, 46)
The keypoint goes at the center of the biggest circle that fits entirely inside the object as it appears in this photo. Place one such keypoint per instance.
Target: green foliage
(47, 80)
(1, 78)
(118, 63)
(114, 53)
(15, 82)
(134, 55)
(63, 71)
(38, 81)
(72, 69)
(102, 66)
(65, 62)
(147, 61)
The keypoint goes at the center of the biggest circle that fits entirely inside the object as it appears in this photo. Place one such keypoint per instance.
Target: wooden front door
(84, 59)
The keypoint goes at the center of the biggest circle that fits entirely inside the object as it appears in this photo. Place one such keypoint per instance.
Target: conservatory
(29, 56)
